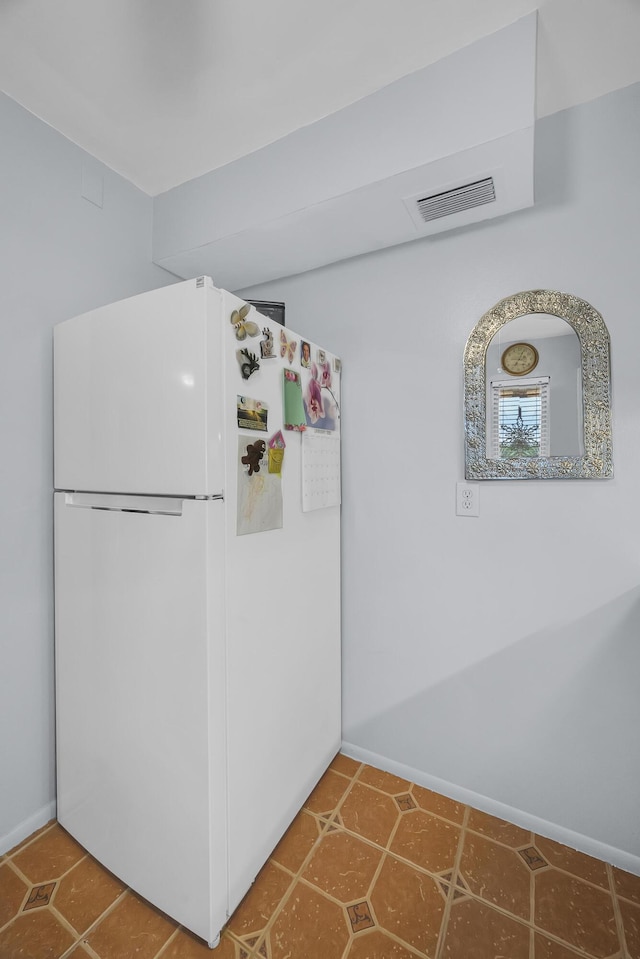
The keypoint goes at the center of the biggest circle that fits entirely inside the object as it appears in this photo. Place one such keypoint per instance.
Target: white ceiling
(163, 91)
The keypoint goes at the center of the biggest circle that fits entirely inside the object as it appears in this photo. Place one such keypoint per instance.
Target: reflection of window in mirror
(520, 421)
(558, 362)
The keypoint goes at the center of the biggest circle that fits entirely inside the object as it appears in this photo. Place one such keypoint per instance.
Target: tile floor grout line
(391, 852)
(357, 773)
(330, 769)
(533, 843)
(367, 897)
(376, 875)
(396, 855)
(238, 941)
(49, 907)
(394, 938)
(296, 877)
(532, 913)
(530, 924)
(550, 865)
(274, 862)
(391, 796)
(63, 920)
(532, 902)
(54, 879)
(309, 885)
(324, 825)
(64, 875)
(403, 942)
(90, 952)
(103, 915)
(23, 876)
(348, 945)
(74, 945)
(343, 798)
(437, 879)
(166, 945)
(570, 947)
(541, 931)
(444, 925)
(79, 937)
(394, 830)
(532, 927)
(237, 937)
(632, 902)
(25, 898)
(454, 802)
(31, 839)
(10, 922)
(617, 911)
(387, 932)
(322, 892)
(573, 875)
(449, 822)
(500, 842)
(53, 908)
(378, 789)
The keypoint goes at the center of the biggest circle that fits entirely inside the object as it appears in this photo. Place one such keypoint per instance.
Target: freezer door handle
(166, 505)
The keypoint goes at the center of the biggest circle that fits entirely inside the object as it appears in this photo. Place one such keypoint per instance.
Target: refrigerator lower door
(140, 696)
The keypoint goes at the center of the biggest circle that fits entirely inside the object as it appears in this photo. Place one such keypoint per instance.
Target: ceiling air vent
(456, 201)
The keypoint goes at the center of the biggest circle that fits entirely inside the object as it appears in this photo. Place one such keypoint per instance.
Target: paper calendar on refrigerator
(320, 470)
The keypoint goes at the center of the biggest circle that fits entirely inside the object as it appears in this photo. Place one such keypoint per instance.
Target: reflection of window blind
(519, 418)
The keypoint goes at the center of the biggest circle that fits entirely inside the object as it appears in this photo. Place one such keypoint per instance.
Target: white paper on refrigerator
(320, 470)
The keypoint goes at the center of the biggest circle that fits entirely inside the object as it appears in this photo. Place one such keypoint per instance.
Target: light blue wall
(493, 655)
(59, 255)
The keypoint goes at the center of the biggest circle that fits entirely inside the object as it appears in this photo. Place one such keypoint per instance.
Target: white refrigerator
(197, 589)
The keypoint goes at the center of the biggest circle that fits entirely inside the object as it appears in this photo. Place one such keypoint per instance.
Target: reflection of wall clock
(519, 359)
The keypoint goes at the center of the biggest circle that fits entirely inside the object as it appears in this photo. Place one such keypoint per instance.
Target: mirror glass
(534, 410)
(537, 390)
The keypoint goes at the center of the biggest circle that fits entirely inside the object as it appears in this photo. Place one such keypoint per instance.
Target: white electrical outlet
(467, 499)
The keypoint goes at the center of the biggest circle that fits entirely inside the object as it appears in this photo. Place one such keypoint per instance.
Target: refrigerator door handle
(166, 505)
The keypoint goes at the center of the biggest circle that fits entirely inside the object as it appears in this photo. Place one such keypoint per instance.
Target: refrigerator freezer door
(140, 679)
(138, 395)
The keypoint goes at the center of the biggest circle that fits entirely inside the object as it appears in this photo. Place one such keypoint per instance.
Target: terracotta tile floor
(373, 867)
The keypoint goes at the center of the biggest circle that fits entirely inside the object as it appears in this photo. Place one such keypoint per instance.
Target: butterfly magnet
(287, 347)
(242, 325)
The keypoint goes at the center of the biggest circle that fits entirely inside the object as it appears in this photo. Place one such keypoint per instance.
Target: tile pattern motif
(373, 867)
(360, 916)
(39, 896)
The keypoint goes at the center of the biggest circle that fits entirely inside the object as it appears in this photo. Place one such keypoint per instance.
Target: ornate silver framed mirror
(537, 390)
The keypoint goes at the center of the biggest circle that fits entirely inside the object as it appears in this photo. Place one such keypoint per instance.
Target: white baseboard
(24, 829)
(585, 844)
